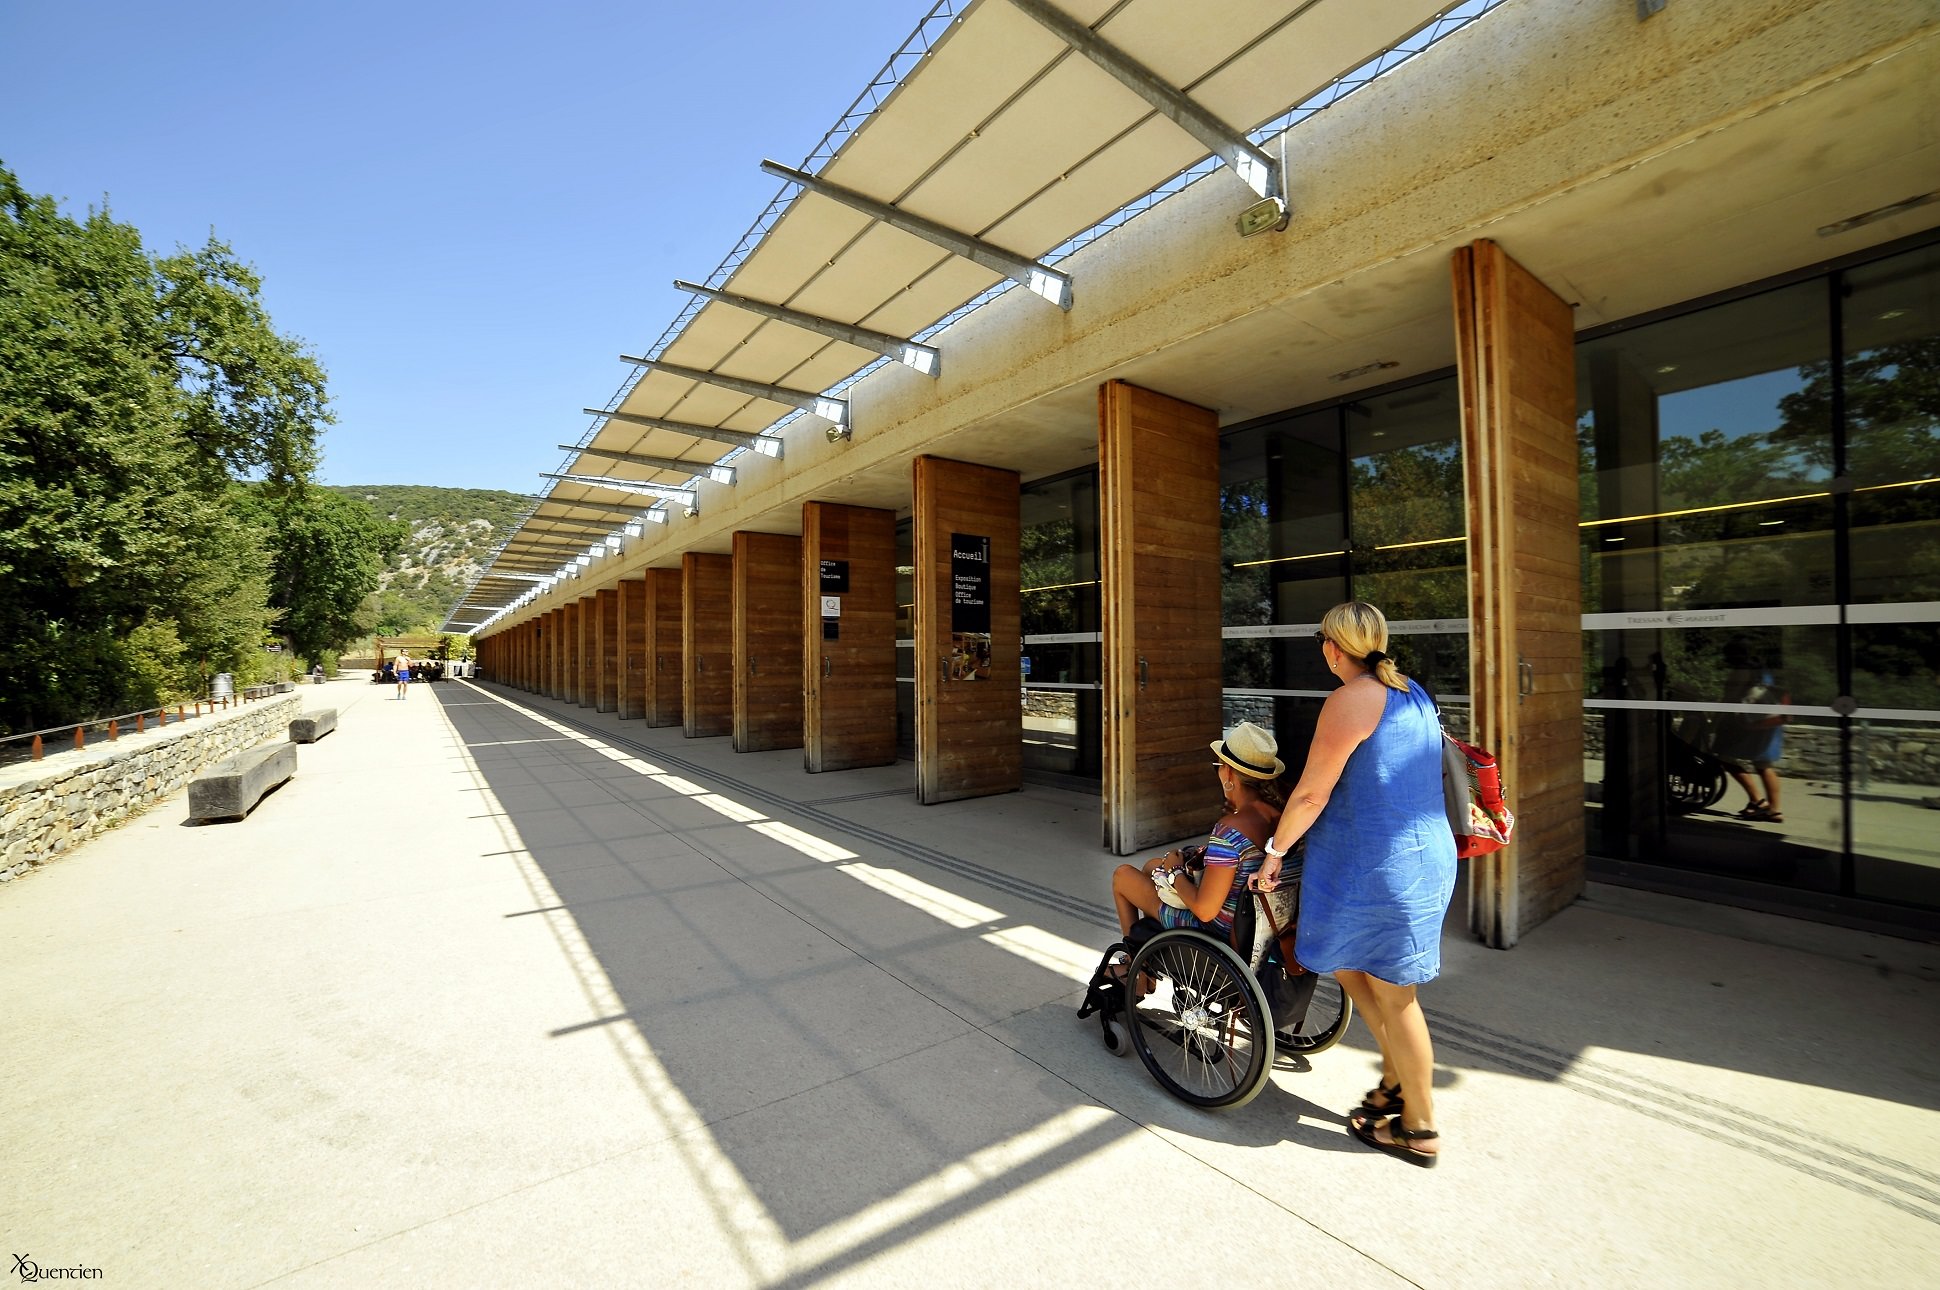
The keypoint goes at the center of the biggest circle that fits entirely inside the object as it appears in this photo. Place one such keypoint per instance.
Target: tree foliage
(133, 391)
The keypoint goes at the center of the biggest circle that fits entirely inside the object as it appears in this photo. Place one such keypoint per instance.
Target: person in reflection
(1210, 881)
(1751, 745)
(1380, 867)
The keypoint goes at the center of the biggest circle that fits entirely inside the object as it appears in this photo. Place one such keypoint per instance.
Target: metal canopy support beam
(685, 496)
(766, 445)
(836, 410)
(1255, 168)
(536, 547)
(926, 359)
(614, 508)
(1041, 279)
(566, 528)
(713, 470)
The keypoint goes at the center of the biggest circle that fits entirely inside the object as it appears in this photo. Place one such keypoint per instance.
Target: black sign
(969, 583)
(835, 577)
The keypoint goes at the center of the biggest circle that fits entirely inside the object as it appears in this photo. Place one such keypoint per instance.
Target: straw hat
(1251, 751)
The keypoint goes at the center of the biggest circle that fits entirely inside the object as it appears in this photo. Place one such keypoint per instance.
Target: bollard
(80, 737)
(141, 722)
(36, 747)
(114, 729)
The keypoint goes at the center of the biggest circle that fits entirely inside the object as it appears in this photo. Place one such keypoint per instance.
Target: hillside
(450, 533)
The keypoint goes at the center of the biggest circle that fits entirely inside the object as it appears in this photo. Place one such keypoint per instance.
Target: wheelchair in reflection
(1207, 1016)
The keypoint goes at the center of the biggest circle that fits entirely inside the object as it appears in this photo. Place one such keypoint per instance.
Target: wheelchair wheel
(1328, 1013)
(1203, 1031)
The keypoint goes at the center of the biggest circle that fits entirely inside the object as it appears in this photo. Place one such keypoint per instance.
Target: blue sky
(468, 212)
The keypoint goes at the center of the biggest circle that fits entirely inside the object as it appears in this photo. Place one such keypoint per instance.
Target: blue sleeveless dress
(1380, 859)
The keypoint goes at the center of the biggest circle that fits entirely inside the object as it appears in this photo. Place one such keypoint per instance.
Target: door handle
(828, 666)
(1525, 678)
(1144, 672)
(754, 666)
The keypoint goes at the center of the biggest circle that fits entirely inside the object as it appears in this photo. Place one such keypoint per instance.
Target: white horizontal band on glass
(1816, 711)
(1062, 685)
(1064, 638)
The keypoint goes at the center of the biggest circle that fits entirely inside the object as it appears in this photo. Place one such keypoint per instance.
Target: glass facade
(1363, 500)
(1058, 554)
(1761, 577)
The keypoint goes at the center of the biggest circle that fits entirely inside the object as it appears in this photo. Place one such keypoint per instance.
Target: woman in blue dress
(1380, 867)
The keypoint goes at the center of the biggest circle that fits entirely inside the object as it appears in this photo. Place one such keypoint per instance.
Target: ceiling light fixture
(1878, 213)
(1379, 365)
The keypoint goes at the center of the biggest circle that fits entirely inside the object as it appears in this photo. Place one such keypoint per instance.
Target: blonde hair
(1358, 629)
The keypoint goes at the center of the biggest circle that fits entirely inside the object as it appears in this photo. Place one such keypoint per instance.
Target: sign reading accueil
(969, 583)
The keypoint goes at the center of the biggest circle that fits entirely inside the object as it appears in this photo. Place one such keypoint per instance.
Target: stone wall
(49, 807)
(1882, 752)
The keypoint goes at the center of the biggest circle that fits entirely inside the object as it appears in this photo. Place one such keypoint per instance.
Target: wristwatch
(1272, 850)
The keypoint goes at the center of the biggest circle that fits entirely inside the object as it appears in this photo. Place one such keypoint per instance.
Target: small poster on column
(969, 656)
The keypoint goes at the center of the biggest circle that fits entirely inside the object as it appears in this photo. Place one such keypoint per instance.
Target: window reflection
(1761, 534)
(1058, 567)
(1362, 499)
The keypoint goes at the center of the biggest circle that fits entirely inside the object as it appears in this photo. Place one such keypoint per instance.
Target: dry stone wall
(49, 807)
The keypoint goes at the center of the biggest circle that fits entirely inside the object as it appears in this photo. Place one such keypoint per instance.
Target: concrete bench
(312, 726)
(230, 788)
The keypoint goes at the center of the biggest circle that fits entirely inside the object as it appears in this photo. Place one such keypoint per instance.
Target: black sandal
(1367, 1112)
(1399, 1147)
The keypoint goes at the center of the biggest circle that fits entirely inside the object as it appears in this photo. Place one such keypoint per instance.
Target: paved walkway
(499, 990)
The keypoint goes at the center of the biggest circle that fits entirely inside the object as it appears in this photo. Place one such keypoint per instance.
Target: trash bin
(223, 687)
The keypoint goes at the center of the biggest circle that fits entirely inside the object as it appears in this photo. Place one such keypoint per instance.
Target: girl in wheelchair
(1204, 887)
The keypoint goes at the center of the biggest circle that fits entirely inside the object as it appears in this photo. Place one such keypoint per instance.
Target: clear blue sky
(467, 211)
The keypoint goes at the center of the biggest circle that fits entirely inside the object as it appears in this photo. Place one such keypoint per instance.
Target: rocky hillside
(450, 531)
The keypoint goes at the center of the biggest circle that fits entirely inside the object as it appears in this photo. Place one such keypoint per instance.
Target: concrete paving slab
(499, 988)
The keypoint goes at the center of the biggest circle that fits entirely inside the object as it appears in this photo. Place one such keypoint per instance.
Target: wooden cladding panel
(1160, 574)
(663, 651)
(767, 607)
(631, 601)
(849, 683)
(969, 734)
(607, 619)
(707, 644)
(588, 652)
(569, 649)
(556, 654)
(1516, 357)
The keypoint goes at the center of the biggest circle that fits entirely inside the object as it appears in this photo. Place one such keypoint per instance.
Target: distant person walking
(403, 676)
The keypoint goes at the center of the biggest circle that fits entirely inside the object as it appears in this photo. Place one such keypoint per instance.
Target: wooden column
(607, 629)
(556, 653)
(969, 733)
(662, 652)
(1515, 355)
(707, 644)
(767, 606)
(631, 605)
(849, 661)
(1159, 568)
(588, 651)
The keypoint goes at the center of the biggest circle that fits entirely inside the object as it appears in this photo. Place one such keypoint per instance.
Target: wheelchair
(1212, 1017)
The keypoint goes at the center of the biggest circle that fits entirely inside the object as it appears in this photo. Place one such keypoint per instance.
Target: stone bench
(312, 726)
(230, 788)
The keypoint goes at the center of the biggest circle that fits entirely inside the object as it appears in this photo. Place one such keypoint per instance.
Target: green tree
(328, 555)
(130, 390)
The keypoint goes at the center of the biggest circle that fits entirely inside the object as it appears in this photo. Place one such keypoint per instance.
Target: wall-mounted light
(836, 434)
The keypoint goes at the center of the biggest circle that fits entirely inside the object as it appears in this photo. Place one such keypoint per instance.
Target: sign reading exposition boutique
(969, 607)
